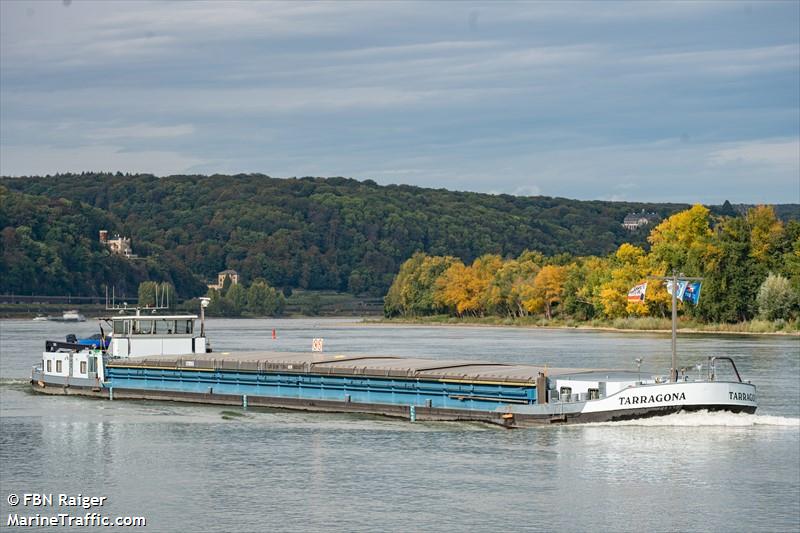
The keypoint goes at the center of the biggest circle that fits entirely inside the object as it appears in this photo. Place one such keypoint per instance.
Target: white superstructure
(137, 335)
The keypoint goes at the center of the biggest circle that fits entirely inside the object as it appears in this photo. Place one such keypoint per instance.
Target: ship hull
(505, 415)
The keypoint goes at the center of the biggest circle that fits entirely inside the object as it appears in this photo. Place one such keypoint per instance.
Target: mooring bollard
(244, 401)
(111, 393)
(412, 411)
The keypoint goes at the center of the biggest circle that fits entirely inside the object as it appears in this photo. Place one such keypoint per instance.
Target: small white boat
(68, 316)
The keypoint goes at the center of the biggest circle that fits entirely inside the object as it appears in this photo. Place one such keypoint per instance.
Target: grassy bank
(622, 324)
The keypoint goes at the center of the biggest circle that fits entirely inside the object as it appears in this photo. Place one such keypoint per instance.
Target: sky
(635, 101)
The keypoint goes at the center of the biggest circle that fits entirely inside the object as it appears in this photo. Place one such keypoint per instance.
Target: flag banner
(692, 292)
(681, 289)
(636, 294)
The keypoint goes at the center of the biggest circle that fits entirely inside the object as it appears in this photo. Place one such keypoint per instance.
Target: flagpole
(673, 373)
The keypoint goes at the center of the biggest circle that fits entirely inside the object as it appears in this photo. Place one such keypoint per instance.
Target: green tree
(147, 293)
(776, 298)
(219, 305)
(412, 291)
(264, 300)
(731, 277)
(238, 297)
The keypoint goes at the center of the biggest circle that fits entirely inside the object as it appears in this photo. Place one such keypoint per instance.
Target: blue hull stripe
(480, 397)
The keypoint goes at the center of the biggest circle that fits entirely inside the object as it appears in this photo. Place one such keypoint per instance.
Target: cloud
(140, 131)
(781, 153)
(729, 61)
(631, 101)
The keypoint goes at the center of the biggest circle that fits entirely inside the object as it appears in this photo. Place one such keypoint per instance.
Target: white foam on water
(706, 418)
(14, 381)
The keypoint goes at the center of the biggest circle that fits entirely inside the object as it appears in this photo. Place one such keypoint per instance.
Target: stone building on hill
(634, 221)
(232, 274)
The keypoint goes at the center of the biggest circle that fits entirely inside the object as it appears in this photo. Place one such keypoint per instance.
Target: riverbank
(643, 324)
(299, 304)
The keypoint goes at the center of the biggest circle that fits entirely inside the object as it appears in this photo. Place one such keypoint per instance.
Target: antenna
(160, 297)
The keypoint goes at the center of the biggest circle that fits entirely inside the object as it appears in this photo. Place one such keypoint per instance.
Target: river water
(207, 468)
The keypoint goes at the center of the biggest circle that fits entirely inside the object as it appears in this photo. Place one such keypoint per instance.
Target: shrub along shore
(631, 325)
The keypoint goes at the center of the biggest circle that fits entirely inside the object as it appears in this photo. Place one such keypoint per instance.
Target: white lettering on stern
(652, 398)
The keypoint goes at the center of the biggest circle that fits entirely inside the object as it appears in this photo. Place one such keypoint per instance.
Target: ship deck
(380, 366)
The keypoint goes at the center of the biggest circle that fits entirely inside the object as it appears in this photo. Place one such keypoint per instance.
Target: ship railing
(712, 367)
(60, 346)
(556, 397)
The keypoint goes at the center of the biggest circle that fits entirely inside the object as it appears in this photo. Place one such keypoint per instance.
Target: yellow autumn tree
(451, 288)
(628, 267)
(505, 292)
(625, 273)
(464, 288)
(683, 240)
(485, 269)
(547, 290)
(765, 231)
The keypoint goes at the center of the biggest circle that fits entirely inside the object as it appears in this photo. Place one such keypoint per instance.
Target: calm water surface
(186, 468)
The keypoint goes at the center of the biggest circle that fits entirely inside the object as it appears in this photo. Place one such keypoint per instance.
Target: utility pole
(674, 279)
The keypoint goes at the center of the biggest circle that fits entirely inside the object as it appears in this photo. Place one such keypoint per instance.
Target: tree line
(309, 233)
(750, 265)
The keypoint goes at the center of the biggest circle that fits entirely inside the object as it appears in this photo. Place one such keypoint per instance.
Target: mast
(673, 372)
(674, 279)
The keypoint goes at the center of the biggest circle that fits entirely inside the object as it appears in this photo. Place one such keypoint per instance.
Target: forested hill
(312, 233)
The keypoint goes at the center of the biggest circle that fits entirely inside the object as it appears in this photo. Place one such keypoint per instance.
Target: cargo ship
(162, 357)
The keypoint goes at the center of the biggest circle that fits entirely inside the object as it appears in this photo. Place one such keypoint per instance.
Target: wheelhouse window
(185, 327)
(155, 326)
(143, 327)
(83, 367)
(58, 367)
(49, 365)
(167, 327)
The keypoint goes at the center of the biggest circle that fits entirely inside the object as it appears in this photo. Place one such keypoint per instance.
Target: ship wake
(706, 418)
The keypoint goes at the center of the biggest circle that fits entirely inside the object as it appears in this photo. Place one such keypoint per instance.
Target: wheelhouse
(149, 335)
